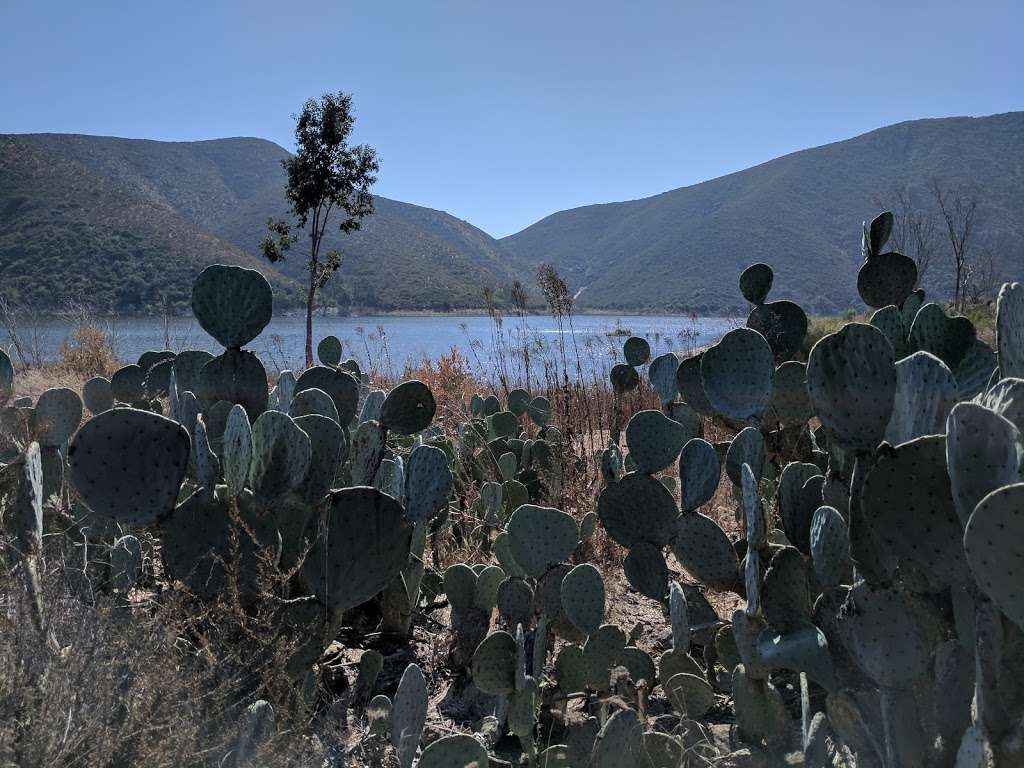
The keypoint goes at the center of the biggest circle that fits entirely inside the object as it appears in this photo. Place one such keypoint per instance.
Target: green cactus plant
(232, 304)
(149, 454)
(736, 374)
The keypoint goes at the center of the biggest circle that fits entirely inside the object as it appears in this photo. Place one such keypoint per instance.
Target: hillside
(685, 249)
(126, 223)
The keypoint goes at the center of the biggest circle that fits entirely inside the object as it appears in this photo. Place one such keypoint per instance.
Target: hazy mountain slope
(69, 231)
(684, 249)
(183, 204)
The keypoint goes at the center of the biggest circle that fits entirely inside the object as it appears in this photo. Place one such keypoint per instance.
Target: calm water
(388, 343)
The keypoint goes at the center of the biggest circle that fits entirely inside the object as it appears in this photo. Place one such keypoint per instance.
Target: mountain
(684, 249)
(126, 224)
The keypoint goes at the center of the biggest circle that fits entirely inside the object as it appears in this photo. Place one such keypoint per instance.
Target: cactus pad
(328, 351)
(515, 601)
(636, 350)
(992, 541)
(830, 546)
(281, 455)
(885, 279)
(494, 664)
(783, 324)
(187, 366)
(746, 448)
(541, 537)
(313, 401)
(689, 695)
(456, 751)
(1010, 330)
(662, 373)
(408, 714)
(637, 508)
(408, 408)
(619, 744)
(983, 452)
(736, 374)
(6, 378)
(925, 393)
(802, 649)
(237, 377)
(428, 483)
(362, 546)
(654, 440)
(624, 378)
(601, 654)
(126, 384)
(785, 597)
(699, 472)
(790, 404)
(948, 338)
(539, 411)
(851, 378)
(756, 282)
(704, 550)
(58, 414)
(798, 500)
(571, 669)
(232, 304)
(128, 464)
(341, 386)
(691, 387)
(583, 598)
(646, 571)
(97, 395)
(326, 443)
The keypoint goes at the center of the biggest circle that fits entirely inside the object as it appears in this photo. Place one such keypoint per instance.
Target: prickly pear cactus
(237, 451)
(409, 714)
(662, 373)
(851, 378)
(6, 378)
(236, 377)
(756, 282)
(327, 440)
(128, 465)
(783, 324)
(428, 483)
(654, 440)
(96, 394)
(830, 546)
(704, 550)
(328, 351)
(494, 664)
(281, 454)
(908, 503)
(58, 414)
(232, 304)
(362, 544)
(886, 278)
(637, 508)
(926, 392)
(948, 338)
(541, 537)
(699, 473)
(983, 452)
(646, 571)
(736, 374)
(313, 401)
(992, 544)
(342, 387)
(624, 378)
(636, 350)
(453, 751)
(583, 598)
(408, 408)
(1010, 330)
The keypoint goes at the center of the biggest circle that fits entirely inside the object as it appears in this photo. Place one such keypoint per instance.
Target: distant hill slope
(127, 223)
(801, 213)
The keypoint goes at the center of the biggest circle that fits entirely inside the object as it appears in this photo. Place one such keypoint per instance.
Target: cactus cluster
(878, 489)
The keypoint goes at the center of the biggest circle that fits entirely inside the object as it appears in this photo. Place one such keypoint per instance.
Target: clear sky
(504, 112)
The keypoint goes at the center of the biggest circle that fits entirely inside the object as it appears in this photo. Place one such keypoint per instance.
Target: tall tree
(325, 176)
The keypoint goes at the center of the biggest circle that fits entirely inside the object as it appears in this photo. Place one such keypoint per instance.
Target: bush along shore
(764, 557)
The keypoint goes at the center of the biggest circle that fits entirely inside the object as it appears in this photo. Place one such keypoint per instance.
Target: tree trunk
(310, 299)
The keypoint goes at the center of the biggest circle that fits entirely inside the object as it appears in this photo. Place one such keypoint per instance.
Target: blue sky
(504, 112)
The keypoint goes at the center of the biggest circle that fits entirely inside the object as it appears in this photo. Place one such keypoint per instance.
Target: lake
(386, 344)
